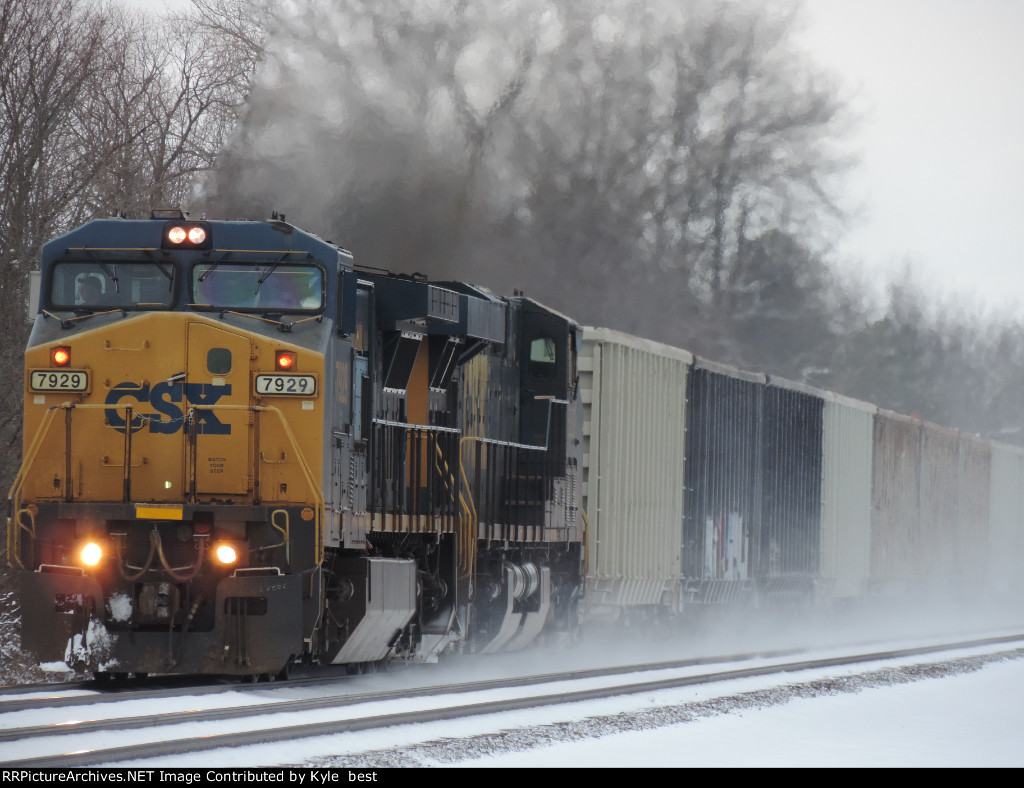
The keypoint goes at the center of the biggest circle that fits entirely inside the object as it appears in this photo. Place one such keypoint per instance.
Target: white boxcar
(898, 554)
(973, 495)
(939, 497)
(634, 448)
(1006, 523)
(846, 498)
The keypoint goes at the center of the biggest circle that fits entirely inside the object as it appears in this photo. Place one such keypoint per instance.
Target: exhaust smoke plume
(634, 164)
(665, 168)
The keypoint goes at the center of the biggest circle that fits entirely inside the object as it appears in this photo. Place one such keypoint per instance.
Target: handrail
(314, 488)
(586, 544)
(474, 525)
(14, 534)
(33, 449)
(14, 496)
(421, 434)
(465, 528)
(285, 531)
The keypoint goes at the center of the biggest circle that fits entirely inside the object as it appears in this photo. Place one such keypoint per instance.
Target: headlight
(186, 235)
(91, 554)
(226, 554)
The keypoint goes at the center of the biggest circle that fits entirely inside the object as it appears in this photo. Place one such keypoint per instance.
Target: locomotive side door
(544, 372)
(360, 417)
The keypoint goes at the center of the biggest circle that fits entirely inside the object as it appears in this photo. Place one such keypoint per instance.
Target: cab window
(258, 287)
(112, 285)
(542, 358)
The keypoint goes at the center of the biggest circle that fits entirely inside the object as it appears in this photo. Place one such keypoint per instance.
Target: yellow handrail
(13, 527)
(14, 496)
(285, 532)
(474, 525)
(465, 529)
(314, 488)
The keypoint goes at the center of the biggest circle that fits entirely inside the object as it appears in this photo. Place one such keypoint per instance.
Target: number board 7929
(58, 380)
(286, 385)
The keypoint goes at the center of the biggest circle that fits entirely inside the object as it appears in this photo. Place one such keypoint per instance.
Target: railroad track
(338, 712)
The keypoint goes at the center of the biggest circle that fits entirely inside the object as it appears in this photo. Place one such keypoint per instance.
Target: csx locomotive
(242, 451)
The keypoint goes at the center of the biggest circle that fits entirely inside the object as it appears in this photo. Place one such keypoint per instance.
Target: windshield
(112, 285)
(254, 286)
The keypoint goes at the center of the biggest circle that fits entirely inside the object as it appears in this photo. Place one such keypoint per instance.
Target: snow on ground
(965, 713)
(972, 719)
(891, 717)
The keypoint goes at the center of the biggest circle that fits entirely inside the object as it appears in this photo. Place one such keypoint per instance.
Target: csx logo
(166, 399)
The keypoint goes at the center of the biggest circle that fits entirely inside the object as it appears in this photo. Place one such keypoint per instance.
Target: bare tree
(115, 123)
(235, 33)
(168, 96)
(209, 58)
(49, 54)
(103, 112)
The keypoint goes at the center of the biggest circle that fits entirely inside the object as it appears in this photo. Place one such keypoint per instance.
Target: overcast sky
(941, 184)
(942, 178)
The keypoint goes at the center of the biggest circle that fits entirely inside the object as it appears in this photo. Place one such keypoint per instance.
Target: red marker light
(60, 356)
(177, 234)
(285, 360)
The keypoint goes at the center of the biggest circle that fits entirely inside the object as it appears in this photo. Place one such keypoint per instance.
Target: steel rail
(139, 692)
(277, 734)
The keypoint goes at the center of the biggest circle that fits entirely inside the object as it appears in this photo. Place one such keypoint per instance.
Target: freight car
(242, 450)
(706, 485)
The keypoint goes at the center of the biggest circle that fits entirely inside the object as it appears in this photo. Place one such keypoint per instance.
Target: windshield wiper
(281, 325)
(110, 272)
(166, 272)
(262, 279)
